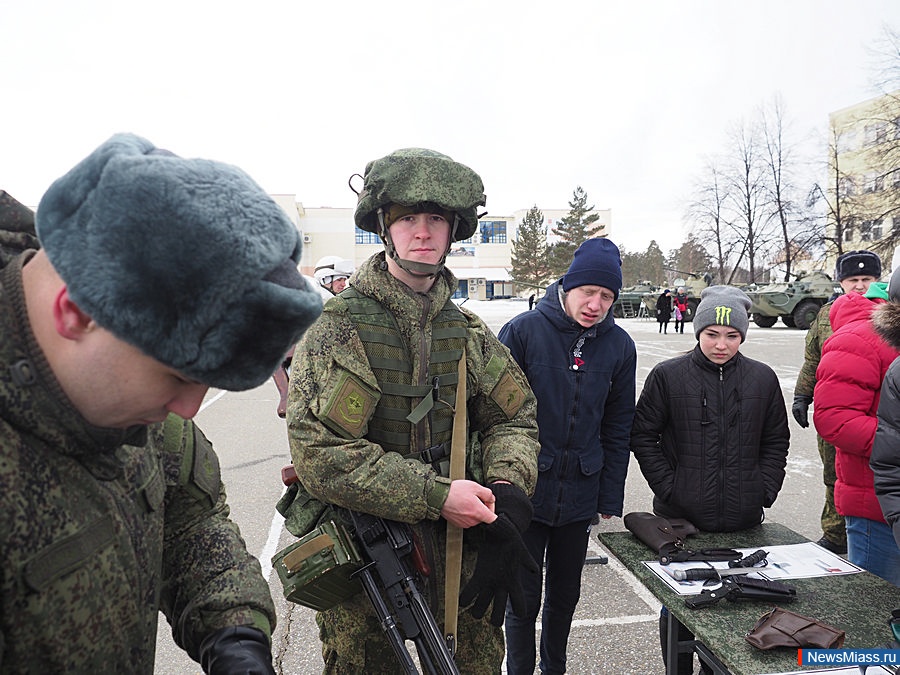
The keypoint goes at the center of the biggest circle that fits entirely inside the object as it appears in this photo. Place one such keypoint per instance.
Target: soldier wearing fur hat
(698, 464)
(371, 412)
(157, 278)
(855, 271)
(582, 368)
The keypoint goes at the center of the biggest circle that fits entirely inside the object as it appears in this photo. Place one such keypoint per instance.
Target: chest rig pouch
(414, 415)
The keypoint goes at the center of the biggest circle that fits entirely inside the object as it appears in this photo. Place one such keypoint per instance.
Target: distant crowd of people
(145, 278)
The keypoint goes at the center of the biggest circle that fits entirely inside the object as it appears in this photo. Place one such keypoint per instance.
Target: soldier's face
(117, 386)
(421, 237)
(588, 305)
(858, 284)
(338, 285)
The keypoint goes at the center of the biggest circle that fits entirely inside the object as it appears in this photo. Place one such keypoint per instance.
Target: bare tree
(839, 197)
(748, 196)
(778, 159)
(708, 216)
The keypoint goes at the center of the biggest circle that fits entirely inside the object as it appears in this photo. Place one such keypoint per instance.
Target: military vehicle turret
(693, 284)
(795, 302)
(628, 304)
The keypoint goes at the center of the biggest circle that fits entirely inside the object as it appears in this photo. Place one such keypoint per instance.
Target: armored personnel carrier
(693, 284)
(628, 304)
(795, 302)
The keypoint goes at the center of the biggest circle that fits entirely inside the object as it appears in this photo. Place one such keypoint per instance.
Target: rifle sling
(454, 533)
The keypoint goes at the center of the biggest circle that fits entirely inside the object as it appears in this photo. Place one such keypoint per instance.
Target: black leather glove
(237, 650)
(502, 557)
(800, 409)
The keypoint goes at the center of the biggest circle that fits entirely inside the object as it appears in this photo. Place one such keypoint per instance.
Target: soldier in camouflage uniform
(855, 271)
(111, 504)
(373, 385)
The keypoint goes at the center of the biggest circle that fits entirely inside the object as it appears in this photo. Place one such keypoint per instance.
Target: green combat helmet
(413, 177)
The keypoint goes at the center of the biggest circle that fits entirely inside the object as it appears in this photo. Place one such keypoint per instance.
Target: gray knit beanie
(723, 306)
(186, 259)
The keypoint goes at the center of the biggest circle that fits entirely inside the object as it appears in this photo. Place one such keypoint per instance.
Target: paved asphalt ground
(615, 628)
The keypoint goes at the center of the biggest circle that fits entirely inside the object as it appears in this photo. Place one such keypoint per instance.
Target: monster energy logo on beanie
(723, 306)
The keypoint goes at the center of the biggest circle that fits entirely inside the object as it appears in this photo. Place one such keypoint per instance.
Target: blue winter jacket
(584, 380)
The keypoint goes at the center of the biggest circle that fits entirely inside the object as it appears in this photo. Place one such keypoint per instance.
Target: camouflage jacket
(818, 332)
(347, 469)
(101, 529)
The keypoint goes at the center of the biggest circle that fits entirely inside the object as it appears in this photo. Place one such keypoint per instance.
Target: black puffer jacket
(885, 458)
(712, 441)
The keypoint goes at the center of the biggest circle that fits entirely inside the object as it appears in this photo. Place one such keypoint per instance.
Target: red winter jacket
(848, 388)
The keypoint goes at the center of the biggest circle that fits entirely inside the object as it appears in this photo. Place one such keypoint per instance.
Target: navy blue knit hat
(596, 262)
(186, 259)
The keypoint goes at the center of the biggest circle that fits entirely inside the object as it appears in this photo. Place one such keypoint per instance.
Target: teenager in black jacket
(710, 430)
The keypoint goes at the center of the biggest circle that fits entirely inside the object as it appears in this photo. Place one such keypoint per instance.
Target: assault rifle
(388, 575)
(402, 611)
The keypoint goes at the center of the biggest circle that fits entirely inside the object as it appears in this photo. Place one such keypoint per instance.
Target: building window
(871, 230)
(876, 133)
(847, 186)
(895, 177)
(363, 237)
(845, 141)
(492, 231)
(848, 233)
(873, 183)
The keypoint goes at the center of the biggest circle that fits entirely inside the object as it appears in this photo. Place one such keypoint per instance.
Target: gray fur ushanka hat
(187, 259)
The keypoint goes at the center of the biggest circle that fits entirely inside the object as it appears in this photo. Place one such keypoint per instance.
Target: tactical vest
(414, 419)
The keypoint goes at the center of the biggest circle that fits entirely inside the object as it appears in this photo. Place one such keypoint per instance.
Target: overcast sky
(626, 99)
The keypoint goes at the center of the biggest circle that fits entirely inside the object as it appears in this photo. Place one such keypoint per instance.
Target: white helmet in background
(331, 268)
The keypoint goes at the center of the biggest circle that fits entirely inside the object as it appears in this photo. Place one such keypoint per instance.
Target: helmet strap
(413, 267)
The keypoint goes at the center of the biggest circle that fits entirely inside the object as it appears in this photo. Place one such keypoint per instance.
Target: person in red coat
(848, 389)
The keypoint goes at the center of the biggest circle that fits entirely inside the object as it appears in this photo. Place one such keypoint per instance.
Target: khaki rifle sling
(454, 533)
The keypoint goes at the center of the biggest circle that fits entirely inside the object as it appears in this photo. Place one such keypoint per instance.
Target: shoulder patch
(350, 405)
(508, 394)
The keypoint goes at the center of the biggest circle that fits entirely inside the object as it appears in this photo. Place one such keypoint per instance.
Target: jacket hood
(852, 307)
(886, 322)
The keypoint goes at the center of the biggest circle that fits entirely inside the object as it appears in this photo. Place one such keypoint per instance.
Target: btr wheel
(805, 314)
(764, 321)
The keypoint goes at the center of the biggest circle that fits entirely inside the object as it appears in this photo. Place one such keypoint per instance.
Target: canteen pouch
(301, 511)
(784, 628)
(317, 570)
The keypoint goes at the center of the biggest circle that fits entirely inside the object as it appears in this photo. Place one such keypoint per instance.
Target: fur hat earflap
(187, 259)
(886, 317)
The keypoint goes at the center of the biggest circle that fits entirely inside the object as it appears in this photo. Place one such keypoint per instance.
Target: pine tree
(530, 265)
(578, 226)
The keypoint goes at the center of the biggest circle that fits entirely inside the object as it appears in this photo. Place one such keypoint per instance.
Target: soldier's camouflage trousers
(353, 642)
(832, 522)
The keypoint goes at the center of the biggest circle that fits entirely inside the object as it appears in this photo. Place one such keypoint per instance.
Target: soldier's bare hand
(468, 504)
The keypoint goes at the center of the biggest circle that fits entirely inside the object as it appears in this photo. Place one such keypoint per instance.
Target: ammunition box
(316, 570)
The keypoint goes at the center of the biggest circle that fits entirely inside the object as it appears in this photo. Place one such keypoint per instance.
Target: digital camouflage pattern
(415, 175)
(344, 467)
(100, 529)
(16, 228)
(832, 522)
